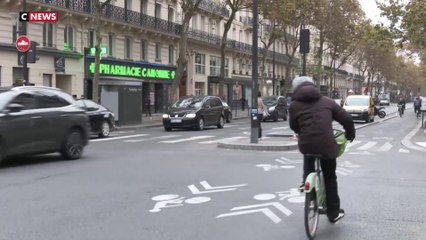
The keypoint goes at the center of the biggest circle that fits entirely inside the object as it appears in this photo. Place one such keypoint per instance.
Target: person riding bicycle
(311, 117)
(417, 105)
(402, 104)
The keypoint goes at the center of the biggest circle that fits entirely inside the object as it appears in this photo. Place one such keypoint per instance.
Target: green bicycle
(315, 189)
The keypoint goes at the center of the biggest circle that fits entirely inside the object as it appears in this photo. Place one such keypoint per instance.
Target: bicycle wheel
(311, 214)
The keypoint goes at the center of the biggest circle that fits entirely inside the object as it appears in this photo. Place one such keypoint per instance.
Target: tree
(189, 8)
(99, 6)
(235, 6)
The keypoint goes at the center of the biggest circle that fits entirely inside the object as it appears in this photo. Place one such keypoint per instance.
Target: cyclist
(417, 105)
(402, 104)
(311, 117)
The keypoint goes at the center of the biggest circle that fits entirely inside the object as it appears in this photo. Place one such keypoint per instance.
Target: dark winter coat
(311, 117)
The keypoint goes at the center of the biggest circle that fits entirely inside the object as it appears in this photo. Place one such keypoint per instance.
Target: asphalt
(285, 140)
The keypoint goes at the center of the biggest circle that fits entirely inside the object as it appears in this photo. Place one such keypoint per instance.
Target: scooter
(380, 112)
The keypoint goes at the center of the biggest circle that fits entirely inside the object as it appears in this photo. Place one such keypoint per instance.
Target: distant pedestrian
(243, 103)
(260, 110)
(148, 107)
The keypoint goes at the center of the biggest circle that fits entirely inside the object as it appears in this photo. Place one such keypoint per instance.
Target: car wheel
(200, 124)
(167, 129)
(221, 122)
(285, 116)
(105, 129)
(73, 146)
(1, 152)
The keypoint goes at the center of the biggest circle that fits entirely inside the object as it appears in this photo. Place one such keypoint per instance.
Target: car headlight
(165, 115)
(190, 115)
(271, 109)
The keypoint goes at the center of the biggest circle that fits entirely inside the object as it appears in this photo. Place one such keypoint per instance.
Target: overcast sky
(371, 11)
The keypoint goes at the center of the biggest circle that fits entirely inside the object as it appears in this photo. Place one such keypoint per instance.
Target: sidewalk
(157, 120)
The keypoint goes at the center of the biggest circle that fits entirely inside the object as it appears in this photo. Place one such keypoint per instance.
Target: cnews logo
(38, 16)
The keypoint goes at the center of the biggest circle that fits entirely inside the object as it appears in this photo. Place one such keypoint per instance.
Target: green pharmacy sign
(133, 71)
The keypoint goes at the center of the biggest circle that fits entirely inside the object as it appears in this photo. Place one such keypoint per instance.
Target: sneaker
(339, 217)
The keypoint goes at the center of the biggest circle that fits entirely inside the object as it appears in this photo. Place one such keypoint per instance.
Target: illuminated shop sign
(133, 71)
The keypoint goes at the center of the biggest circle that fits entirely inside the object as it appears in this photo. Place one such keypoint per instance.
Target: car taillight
(307, 185)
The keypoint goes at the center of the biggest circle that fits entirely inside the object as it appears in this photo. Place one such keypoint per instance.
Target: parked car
(384, 101)
(360, 107)
(102, 120)
(195, 112)
(37, 120)
(228, 112)
(277, 107)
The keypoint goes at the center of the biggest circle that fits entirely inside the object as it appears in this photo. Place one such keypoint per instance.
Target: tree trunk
(222, 53)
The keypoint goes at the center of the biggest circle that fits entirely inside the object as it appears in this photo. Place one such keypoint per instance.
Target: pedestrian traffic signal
(32, 53)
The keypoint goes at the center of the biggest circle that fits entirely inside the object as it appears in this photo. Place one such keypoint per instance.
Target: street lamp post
(21, 29)
(254, 115)
(273, 62)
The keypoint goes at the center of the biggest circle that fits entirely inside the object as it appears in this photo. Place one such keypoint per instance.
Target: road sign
(23, 43)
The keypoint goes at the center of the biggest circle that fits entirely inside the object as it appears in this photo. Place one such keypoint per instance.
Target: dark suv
(195, 112)
(35, 120)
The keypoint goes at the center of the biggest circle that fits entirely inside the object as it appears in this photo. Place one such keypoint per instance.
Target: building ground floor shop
(132, 90)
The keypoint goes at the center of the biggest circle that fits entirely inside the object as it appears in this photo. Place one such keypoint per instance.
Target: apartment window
(194, 21)
(48, 35)
(214, 66)
(111, 44)
(15, 30)
(128, 48)
(202, 23)
(157, 52)
(69, 38)
(199, 89)
(91, 38)
(144, 50)
(128, 4)
(226, 67)
(144, 6)
(171, 14)
(200, 63)
(171, 55)
(157, 10)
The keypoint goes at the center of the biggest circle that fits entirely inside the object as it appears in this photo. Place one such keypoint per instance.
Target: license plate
(354, 114)
(176, 120)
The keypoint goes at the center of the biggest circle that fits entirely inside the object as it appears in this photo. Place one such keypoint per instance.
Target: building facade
(139, 51)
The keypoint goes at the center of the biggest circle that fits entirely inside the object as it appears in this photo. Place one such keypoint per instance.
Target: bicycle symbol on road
(292, 196)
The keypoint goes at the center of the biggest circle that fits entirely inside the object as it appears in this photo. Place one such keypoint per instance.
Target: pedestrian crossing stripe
(187, 139)
(146, 139)
(386, 147)
(223, 139)
(368, 145)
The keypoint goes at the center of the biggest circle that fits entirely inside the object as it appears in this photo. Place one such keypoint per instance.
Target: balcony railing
(213, 7)
(118, 14)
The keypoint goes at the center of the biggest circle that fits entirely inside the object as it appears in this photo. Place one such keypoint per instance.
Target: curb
(257, 147)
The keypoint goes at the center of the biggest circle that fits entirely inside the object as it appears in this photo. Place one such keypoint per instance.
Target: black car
(227, 111)
(195, 112)
(37, 120)
(277, 107)
(102, 120)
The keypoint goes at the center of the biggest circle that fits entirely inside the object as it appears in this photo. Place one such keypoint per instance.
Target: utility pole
(273, 63)
(25, 54)
(254, 137)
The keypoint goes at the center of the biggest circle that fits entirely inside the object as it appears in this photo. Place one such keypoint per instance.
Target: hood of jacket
(306, 92)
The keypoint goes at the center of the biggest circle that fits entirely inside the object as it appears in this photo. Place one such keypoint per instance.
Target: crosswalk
(365, 146)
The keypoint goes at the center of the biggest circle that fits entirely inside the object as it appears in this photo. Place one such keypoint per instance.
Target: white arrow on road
(263, 210)
(211, 189)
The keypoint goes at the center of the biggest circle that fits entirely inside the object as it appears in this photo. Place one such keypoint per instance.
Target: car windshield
(356, 102)
(5, 97)
(270, 101)
(188, 103)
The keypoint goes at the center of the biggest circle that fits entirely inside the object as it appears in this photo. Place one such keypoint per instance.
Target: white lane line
(352, 144)
(401, 150)
(276, 128)
(367, 146)
(340, 172)
(223, 139)
(423, 144)
(386, 147)
(186, 139)
(344, 169)
(154, 138)
(118, 138)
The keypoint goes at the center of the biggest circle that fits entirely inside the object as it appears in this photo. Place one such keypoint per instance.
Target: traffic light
(304, 41)
(32, 53)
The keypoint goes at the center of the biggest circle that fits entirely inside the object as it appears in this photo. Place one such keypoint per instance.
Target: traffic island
(263, 145)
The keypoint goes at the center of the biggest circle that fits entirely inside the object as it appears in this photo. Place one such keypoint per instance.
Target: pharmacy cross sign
(23, 43)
